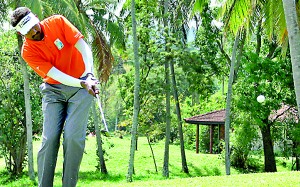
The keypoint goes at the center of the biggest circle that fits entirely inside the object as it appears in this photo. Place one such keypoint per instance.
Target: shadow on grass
(212, 171)
(90, 176)
(96, 175)
(6, 178)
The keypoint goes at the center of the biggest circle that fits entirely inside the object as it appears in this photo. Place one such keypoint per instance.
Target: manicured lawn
(205, 169)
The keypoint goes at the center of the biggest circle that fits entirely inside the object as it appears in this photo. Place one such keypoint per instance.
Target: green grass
(205, 169)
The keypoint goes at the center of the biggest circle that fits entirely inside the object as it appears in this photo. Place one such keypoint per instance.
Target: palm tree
(292, 23)
(103, 168)
(136, 95)
(228, 105)
(28, 116)
(182, 14)
(167, 85)
(178, 113)
(294, 36)
(27, 101)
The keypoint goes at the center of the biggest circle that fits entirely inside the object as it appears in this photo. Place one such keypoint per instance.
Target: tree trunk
(294, 38)
(28, 114)
(152, 152)
(296, 154)
(292, 24)
(168, 123)
(178, 112)
(270, 163)
(167, 89)
(136, 95)
(100, 154)
(228, 105)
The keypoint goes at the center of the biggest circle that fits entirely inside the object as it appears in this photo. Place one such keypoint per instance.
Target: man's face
(35, 33)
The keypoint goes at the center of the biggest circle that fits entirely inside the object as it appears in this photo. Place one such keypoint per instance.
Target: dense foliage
(12, 111)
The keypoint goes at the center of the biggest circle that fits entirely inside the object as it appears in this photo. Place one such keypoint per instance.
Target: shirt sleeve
(63, 78)
(87, 56)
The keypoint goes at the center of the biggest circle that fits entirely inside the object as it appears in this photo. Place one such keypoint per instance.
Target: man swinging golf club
(56, 51)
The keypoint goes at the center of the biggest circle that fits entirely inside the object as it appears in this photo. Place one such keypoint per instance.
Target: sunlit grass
(204, 169)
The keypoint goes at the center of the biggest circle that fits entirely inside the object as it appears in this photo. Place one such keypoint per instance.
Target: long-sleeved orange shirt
(56, 49)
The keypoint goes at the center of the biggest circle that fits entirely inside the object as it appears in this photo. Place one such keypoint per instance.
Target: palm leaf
(198, 5)
(103, 56)
(237, 14)
(36, 7)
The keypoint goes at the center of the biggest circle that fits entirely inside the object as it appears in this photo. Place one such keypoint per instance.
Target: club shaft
(101, 111)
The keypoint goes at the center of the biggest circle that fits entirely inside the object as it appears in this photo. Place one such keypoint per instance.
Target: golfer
(56, 51)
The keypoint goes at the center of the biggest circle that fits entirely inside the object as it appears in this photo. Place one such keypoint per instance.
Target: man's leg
(54, 115)
(74, 135)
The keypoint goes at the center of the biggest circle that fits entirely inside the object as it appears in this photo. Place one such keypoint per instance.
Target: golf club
(105, 130)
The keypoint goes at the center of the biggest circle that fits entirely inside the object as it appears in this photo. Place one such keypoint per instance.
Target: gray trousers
(65, 109)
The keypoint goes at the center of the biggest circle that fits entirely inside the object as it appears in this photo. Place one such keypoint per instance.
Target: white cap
(27, 23)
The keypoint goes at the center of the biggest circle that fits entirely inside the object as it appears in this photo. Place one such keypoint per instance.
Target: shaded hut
(215, 119)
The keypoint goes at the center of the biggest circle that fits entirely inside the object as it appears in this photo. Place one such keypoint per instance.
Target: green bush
(12, 106)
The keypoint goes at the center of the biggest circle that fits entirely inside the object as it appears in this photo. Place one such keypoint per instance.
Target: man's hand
(90, 84)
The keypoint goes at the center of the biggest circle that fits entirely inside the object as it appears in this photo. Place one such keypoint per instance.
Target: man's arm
(87, 55)
(63, 78)
(89, 85)
(68, 80)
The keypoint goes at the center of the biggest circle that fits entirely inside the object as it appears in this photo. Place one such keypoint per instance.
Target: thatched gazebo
(213, 119)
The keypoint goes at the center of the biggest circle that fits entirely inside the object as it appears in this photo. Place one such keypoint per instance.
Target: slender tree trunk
(270, 163)
(292, 24)
(28, 114)
(167, 84)
(178, 112)
(239, 56)
(100, 154)
(152, 153)
(296, 154)
(228, 106)
(136, 95)
(297, 163)
(168, 123)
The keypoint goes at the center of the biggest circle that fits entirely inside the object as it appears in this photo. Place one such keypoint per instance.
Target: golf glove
(90, 84)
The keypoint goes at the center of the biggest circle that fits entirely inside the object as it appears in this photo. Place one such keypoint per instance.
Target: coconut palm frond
(237, 14)
(36, 7)
(103, 56)
(198, 6)
(47, 9)
(281, 29)
(116, 33)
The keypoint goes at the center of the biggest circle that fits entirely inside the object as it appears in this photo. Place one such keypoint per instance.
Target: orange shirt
(56, 49)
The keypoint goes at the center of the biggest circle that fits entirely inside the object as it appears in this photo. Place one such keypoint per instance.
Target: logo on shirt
(58, 44)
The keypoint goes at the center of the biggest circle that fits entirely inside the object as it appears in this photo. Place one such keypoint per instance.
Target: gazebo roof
(218, 116)
(211, 118)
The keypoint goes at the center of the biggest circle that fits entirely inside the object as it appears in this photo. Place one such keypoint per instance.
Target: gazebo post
(197, 139)
(219, 138)
(211, 138)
